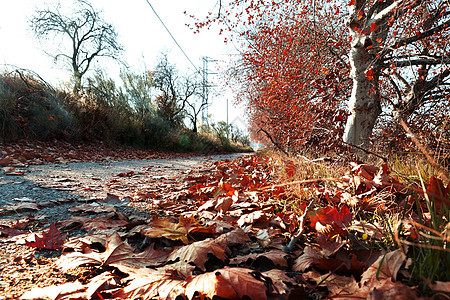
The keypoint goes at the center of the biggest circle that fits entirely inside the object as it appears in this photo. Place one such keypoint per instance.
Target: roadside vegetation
(32, 109)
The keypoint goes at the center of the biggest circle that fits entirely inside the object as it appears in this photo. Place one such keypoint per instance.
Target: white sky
(141, 34)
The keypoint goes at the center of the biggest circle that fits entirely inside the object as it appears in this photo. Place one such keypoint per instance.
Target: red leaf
(330, 216)
(373, 27)
(52, 239)
(290, 168)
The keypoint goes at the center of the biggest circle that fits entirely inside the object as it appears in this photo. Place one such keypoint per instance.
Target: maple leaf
(385, 267)
(52, 239)
(277, 257)
(332, 219)
(172, 231)
(72, 290)
(148, 284)
(117, 251)
(336, 284)
(228, 283)
(437, 191)
(197, 253)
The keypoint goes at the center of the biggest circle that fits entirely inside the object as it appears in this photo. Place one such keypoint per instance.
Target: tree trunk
(77, 82)
(195, 130)
(364, 104)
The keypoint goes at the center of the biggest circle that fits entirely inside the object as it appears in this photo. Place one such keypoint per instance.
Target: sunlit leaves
(228, 283)
(176, 231)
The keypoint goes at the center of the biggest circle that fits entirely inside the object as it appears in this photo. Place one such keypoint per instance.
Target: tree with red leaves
(301, 54)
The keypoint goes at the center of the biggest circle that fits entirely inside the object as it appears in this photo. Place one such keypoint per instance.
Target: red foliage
(52, 239)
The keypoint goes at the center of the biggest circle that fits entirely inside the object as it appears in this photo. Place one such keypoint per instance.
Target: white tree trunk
(364, 103)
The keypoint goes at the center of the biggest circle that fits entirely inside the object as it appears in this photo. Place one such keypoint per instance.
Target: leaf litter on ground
(220, 234)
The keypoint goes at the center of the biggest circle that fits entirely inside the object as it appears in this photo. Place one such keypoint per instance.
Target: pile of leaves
(231, 234)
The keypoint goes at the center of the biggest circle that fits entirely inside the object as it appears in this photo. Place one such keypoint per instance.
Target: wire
(173, 38)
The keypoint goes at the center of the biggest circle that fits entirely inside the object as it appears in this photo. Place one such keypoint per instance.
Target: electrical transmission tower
(205, 88)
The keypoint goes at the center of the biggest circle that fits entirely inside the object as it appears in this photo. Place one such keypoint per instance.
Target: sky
(140, 32)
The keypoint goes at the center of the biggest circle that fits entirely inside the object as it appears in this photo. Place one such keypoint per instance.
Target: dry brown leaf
(176, 231)
(386, 266)
(307, 259)
(257, 218)
(93, 208)
(208, 205)
(228, 283)
(116, 251)
(148, 284)
(100, 223)
(388, 290)
(197, 253)
(72, 290)
(102, 282)
(439, 286)
(276, 256)
(282, 284)
(339, 286)
(223, 204)
(233, 238)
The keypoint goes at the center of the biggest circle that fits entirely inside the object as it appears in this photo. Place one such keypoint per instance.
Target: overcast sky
(140, 32)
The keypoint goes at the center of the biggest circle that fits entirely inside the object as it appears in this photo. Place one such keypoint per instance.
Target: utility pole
(205, 88)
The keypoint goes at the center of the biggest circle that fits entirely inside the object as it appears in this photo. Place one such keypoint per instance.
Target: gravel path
(49, 191)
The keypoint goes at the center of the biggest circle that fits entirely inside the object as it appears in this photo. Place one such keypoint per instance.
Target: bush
(30, 108)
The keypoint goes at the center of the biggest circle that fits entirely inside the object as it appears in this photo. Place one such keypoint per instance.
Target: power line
(173, 38)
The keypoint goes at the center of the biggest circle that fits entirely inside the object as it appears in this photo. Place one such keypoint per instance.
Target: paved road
(47, 191)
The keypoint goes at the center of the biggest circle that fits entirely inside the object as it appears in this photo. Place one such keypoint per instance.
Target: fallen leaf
(277, 257)
(342, 286)
(117, 252)
(93, 208)
(282, 284)
(72, 290)
(52, 239)
(197, 253)
(148, 284)
(439, 286)
(102, 282)
(385, 267)
(257, 218)
(329, 220)
(233, 238)
(173, 231)
(228, 283)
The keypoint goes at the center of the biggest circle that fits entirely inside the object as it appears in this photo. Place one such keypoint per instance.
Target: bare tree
(89, 35)
(176, 92)
(194, 112)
